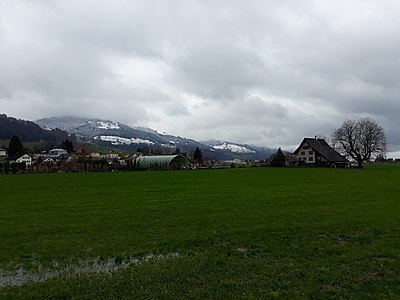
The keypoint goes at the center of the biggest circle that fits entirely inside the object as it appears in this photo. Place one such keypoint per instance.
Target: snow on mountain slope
(116, 140)
(105, 125)
(233, 148)
(115, 134)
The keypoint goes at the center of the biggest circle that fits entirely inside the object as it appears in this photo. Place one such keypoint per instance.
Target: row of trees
(359, 140)
(16, 147)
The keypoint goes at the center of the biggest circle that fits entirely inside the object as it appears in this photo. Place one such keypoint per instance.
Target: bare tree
(360, 140)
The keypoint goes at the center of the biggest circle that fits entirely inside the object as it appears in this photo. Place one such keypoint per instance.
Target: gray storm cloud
(262, 72)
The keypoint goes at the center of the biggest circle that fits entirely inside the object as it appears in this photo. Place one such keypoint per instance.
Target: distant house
(37, 156)
(3, 152)
(111, 155)
(26, 158)
(71, 164)
(49, 161)
(317, 152)
(95, 155)
(3, 159)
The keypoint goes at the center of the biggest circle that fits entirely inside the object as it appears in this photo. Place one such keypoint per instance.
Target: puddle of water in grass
(91, 266)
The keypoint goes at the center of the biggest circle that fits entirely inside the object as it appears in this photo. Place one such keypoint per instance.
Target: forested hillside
(28, 131)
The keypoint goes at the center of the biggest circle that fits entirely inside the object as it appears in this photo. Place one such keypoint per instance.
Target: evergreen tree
(198, 155)
(68, 146)
(15, 147)
(279, 159)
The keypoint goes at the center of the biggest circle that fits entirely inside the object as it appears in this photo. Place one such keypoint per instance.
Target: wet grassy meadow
(236, 233)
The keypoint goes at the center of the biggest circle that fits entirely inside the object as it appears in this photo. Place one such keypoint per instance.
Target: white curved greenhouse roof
(58, 150)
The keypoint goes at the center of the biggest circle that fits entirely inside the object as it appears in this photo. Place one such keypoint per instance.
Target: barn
(317, 152)
(162, 162)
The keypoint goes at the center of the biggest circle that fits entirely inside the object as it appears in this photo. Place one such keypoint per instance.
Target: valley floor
(232, 233)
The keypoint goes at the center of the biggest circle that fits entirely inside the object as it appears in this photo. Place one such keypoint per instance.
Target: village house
(26, 159)
(49, 161)
(317, 152)
(37, 156)
(95, 155)
(3, 159)
(110, 155)
(71, 164)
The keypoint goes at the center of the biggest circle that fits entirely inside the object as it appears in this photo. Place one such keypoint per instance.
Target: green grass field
(238, 233)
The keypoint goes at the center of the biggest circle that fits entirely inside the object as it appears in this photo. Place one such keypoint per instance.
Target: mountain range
(115, 135)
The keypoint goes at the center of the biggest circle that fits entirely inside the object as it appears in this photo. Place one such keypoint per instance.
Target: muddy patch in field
(385, 259)
(330, 287)
(90, 266)
(342, 242)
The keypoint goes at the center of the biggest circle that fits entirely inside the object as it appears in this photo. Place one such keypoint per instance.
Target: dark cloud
(262, 72)
(219, 71)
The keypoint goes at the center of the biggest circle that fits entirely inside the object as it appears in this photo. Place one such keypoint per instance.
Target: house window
(311, 158)
(311, 152)
(306, 147)
(303, 152)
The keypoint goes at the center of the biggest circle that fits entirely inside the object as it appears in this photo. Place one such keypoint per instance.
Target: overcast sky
(256, 71)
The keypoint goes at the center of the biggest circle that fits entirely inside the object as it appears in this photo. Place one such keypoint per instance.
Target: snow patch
(233, 148)
(105, 125)
(167, 146)
(116, 140)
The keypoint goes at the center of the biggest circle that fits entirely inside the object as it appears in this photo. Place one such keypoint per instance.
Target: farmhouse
(317, 152)
(162, 162)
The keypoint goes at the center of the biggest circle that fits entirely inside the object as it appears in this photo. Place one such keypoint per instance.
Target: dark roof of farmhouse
(323, 148)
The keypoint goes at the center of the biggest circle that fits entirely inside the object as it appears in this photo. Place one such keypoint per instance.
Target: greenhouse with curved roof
(162, 162)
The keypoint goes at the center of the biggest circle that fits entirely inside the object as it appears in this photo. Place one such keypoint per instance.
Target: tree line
(359, 140)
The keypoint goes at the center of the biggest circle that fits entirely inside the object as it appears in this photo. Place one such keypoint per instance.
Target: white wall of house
(25, 159)
(3, 152)
(306, 154)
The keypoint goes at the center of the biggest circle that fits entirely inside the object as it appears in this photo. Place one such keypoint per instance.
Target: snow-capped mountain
(233, 148)
(106, 125)
(118, 135)
(242, 150)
